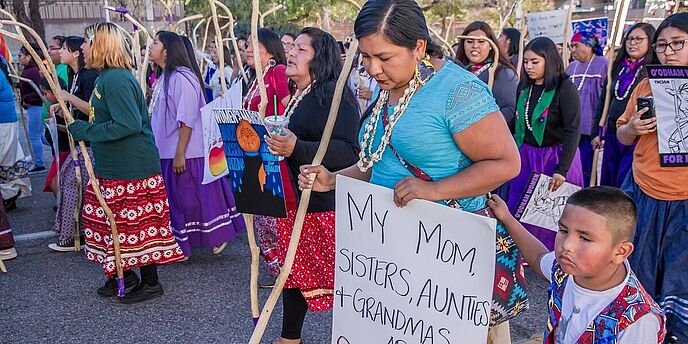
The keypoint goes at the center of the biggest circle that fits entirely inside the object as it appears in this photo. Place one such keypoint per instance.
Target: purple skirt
(201, 215)
(541, 160)
(616, 161)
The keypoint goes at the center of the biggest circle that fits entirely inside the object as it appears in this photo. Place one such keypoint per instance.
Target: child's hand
(499, 208)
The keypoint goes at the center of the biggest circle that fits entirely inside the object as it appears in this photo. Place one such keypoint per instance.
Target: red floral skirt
(313, 269)
(142, 216)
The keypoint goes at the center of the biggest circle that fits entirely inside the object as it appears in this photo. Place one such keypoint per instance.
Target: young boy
(594, 297)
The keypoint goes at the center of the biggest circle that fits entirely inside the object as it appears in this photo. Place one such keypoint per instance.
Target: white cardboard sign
(420, 274)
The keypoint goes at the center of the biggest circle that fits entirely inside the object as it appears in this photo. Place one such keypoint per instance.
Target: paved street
(50, 297)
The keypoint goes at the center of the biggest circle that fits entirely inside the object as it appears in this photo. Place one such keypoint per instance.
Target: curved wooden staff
(619, 19)
(306, 195)
(178, 24)
(495, 63)
(142, 66)
(76, 216)
(521, 43)
(269, 12)
(194, 33)
(565, 53)
(170, 18)
(50, 74)
(232, 36)
(442, 40)
(218, 45)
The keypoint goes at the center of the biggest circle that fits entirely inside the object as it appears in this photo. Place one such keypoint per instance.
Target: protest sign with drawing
(541, 207)
(547, 24)
(670, 92)
(419, 274)
(597, 26)
(254, 171)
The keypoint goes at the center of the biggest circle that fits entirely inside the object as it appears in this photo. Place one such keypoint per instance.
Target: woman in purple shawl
(588, 72)
(627, 71)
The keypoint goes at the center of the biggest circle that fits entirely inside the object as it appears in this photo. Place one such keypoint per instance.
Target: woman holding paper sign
(435, 132)
(272, 59)
(313, 66)
(202, 215)
(627, 71)
(660, 193)
(546, 127)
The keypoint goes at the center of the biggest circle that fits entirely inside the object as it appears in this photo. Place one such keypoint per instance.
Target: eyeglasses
(636, 40)
(675, 46)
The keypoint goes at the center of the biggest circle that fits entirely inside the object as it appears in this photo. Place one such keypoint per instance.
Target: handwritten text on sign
(547, 24)
(419, 274)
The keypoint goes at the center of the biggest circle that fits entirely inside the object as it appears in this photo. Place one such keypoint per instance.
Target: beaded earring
(424, 70)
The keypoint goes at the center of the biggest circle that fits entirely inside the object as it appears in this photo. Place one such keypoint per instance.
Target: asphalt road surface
(49, 297)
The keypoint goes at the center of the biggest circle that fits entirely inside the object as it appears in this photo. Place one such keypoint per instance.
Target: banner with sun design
(254, 171)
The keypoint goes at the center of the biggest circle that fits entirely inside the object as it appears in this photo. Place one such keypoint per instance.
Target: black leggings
(293, 313)
(149, 274)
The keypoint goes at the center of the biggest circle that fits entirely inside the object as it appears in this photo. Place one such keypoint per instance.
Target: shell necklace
(527, 113)
(585, 74)
(294, 102)
(366, 161)
(628, 90)
(254, 87)
(156, 94)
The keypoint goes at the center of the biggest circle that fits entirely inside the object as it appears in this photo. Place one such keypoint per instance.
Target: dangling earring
(424, 70)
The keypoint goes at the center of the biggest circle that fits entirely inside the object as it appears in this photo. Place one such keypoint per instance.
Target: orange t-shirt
(662, 183)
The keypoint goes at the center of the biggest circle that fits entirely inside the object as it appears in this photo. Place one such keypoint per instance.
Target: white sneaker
(218, 249)
(8, 254)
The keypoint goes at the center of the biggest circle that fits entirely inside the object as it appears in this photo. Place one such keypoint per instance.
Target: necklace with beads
(482, 69)
(527, 112)
(628, 90)
(253, 91)
(156, 94)
(366, 161)
(294, 102)
(585, 74)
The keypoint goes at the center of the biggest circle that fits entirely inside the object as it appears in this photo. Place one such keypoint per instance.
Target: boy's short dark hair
(613, 204)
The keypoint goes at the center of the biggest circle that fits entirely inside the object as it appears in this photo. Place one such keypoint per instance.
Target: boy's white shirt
(215, 81)
(580, 306)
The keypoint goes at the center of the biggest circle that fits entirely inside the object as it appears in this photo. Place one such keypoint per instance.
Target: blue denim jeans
(36, 128)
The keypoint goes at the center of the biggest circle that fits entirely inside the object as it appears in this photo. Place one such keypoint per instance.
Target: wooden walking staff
(138, 27)
(76, 216)
(305, 195)
(232, 36)
(269, 12)
(619, 20)
(442, 40)
(565, 53)
(50, 74)
(521, 43)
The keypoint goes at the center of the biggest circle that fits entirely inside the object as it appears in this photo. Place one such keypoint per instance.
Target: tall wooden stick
(619, 19)
(565, 48)
(305, 198)
(235, 45)
(50, 74)
(141, 71)
(521, 43)
(76, 216)
(218, 45)
(442, 40)
(269, 12)
(194, 33)
(178, 24)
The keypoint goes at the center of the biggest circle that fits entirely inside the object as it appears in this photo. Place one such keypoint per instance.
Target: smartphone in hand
(649, 103)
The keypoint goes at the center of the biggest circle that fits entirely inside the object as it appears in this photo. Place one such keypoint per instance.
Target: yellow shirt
(662, 183)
